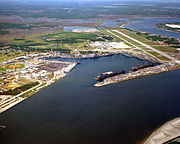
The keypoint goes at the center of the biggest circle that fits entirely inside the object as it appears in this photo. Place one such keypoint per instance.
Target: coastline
(163, 67)
(17, 98)
(133, 75)
(167, 132)
(162, 27)
(167, 62)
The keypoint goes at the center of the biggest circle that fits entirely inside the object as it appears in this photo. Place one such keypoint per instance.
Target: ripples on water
(72, 111)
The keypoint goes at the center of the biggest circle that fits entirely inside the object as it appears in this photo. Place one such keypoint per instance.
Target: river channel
(148, 25)
(72, 111)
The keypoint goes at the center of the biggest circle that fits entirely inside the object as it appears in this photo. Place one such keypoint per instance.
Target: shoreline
(167, 62)
(165, 133)
(16, 99)
(163, 67)
(133, 75)
(161, 26)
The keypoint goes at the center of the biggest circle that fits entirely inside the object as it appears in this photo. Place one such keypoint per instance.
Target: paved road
(147, 46)
(136, 47)
(17, 96)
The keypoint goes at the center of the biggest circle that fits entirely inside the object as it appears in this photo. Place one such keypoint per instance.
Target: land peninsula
(29, 39)
(23, 76)
(175, 27)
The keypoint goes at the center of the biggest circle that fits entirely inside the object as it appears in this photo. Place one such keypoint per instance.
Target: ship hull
(135, 68)
(105, 75)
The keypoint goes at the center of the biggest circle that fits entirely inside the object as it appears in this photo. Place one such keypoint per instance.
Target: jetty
(136, 74)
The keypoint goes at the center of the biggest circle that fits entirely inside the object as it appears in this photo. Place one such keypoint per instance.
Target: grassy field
(11, 55)
(3, 32)
(53, 37)
(85, 9)
(161, 47)
(14, 66)
(2, 69)
(156, 45)
(49, 40)
(14, 25)
(163, 26)
(60, 40)
(69, 38)
(122, 38)
(65, 35)
(21, 79)
(20, 89)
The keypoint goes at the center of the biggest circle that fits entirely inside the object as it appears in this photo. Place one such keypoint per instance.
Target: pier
(136, 74)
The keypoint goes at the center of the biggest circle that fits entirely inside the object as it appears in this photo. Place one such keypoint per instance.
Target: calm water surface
(72, 111)
(148, 25)
(144, 24)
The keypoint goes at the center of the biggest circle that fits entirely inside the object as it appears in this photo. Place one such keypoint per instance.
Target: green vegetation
(175, 141)
(87, 9)
(158, 38)
(122, 38)
(21, 79)
(69, 37)
(163, 26)
(3, 32)
(18, 90)
(29, 41)
(14, 66)
(2, 69)
(14, 25)
(20, 26)
(141, 38)
(168, 45)
(107, 37)
(19, 39)
(119, 21)
(62, 41)
(5, 56)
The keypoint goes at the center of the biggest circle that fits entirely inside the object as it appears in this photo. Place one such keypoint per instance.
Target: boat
(105, 75)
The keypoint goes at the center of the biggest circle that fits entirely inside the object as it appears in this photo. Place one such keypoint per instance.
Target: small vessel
(108, 74)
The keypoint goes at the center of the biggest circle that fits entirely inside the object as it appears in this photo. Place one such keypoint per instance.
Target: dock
(136, 74)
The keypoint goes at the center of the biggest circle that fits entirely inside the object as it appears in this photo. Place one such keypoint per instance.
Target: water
(145, 25)
(72, 111)
(172, 7)
(111, 23)
(71, 28)
(148, 25)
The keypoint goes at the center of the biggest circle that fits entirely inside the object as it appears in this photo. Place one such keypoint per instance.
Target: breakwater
(72, 111)
(136, 74)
